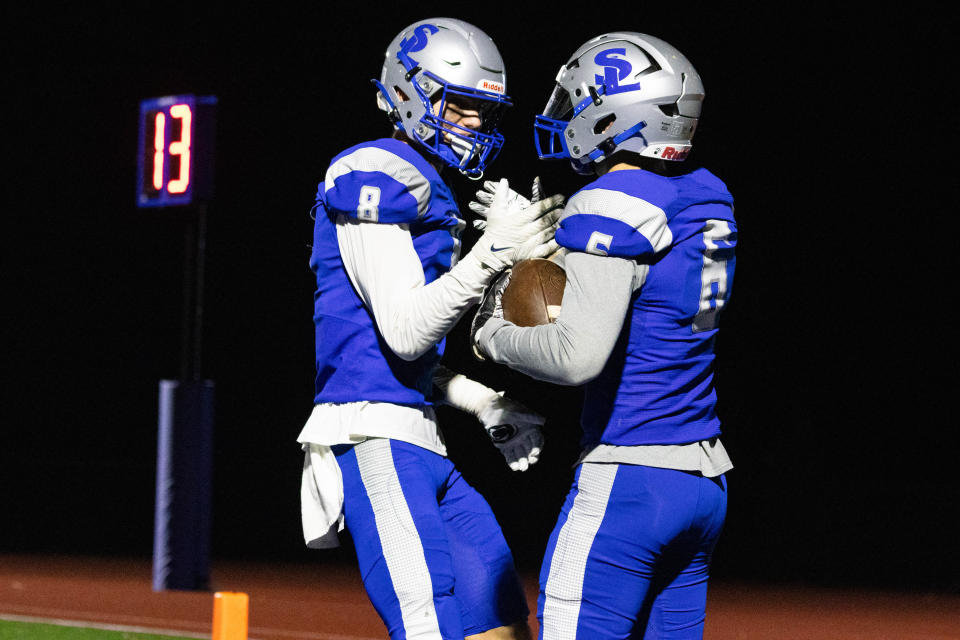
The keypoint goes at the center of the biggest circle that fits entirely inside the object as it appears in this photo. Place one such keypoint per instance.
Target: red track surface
(328, 603)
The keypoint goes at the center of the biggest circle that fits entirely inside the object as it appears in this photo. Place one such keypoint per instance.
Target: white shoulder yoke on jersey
(648, 219)
(375, 159)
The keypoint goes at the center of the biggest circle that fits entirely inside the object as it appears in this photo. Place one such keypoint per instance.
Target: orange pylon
(230, 615)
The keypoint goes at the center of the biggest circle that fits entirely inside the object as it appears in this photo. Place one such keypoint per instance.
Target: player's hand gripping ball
(534, 293)
(528, 294)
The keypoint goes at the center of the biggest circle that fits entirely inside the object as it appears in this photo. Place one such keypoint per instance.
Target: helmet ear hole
(604, 123)
(671, 110)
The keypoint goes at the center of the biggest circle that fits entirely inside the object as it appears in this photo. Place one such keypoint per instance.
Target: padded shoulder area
(381, 181)
(611, 222)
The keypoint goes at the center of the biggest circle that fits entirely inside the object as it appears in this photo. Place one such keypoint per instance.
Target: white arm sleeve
(460, 392)
(574, 349)
(385, 270)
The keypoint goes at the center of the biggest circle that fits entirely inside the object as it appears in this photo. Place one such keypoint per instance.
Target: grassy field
(11, 630)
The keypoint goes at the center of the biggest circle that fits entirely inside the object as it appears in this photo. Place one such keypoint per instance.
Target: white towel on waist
(321, 497)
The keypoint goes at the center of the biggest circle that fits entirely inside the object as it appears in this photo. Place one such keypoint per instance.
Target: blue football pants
(433, 559)
(629, 556)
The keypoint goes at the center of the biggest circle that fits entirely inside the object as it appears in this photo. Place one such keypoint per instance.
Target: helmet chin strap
(465, 152)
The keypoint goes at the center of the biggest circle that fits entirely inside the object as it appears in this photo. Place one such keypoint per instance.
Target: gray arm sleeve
(574, 349)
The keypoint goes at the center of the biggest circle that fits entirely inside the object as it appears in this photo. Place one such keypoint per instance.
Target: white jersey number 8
(368, 207)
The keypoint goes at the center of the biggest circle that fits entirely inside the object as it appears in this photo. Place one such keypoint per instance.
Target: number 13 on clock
(175, 151)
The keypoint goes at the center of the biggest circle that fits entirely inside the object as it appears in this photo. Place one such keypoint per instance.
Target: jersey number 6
(714, 288)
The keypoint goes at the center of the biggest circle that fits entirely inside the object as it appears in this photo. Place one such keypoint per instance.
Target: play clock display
(175, 151)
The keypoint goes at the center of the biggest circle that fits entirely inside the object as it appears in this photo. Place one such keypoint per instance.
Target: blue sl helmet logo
(614, 70)
(418, 40)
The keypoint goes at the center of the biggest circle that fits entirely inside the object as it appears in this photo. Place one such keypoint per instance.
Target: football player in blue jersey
(390, 285)
(649, 258)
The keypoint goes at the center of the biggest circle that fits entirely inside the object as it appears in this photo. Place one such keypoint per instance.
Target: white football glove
(484, 197)
(515, 431)
(515, 228)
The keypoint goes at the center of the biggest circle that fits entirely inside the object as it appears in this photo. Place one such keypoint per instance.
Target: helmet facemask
(548, 127)
(555, 139)
(466, 149)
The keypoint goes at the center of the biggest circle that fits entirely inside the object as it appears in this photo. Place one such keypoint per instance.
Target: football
(534, 292)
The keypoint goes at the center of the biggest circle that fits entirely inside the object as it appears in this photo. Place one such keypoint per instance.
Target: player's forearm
(415, 320)
(460, 392)
(574, 349)
(386, 272)
(544, 353)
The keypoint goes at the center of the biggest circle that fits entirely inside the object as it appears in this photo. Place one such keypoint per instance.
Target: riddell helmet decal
(491, 85)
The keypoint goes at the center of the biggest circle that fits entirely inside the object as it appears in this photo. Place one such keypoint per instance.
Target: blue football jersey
(657, 386)
(379, 182)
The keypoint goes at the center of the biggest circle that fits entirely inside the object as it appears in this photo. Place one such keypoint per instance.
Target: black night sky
(835, 369)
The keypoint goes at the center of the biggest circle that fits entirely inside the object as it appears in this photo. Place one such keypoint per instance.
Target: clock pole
(175, 171)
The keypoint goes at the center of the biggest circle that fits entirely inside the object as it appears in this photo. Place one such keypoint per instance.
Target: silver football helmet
(622, 90)
(441, 60)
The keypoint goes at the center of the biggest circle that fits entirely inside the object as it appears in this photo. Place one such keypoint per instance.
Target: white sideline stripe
(564, 588)
(55, 614)
(402, 548)
(254, 631)
(102, 626)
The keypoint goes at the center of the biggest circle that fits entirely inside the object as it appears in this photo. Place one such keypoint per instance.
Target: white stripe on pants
(564, 588)
(402, 548)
